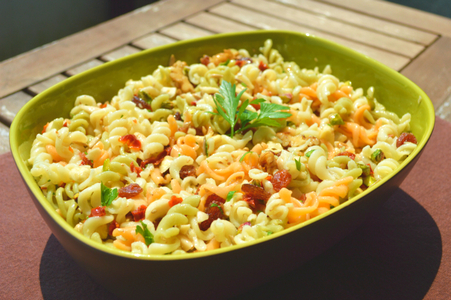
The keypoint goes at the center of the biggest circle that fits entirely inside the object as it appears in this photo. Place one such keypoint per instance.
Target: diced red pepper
(45, 128)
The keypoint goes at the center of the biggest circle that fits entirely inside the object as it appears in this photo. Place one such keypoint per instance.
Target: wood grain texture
(152, 40)
(399, 14)
(444, 111)
(10, 106)
(330, 26)
(119, 53)
(4, 139)
(217, 24)
(31, 67)
(43, 85)
(252, 18)
(431, 71)
(84, 67)
(183, 31)
(364, 21)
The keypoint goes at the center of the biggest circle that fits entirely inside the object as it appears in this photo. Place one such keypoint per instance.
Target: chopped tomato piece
(113, 225)
(130, 190)
(406, 137)
(158, 159)
(262, 66)
(140, 213)
(174, 201)
(135, 169)
(280, 180)
(85, 161)
(98, 211)
(131, 141)
(205, 60)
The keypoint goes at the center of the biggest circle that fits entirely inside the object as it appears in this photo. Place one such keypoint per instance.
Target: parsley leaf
(205, 146)
(298, 164)
(227, 104)
(309, 153)
(230, 195)
(227, 107)
(107, 195)
(144, 231)
(269, 113)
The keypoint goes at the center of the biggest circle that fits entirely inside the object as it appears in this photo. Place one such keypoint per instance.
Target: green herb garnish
(298, 164)
(230, 195)
(244, 155)
(377, 156)
(107, 195)
(144, 96)
(227, 106)
(269, 233)
(336, 120)
(205, 146)
(369, 181)
(226, 63)
(365, 169)
(217, 205)
(144, 231)
(309, 153)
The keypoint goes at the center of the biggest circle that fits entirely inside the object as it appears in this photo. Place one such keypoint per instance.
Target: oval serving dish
(238, 268)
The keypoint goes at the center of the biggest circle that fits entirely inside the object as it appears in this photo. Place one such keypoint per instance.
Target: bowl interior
(393, 90)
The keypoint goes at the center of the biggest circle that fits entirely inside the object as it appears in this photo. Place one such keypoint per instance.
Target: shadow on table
(395, 254)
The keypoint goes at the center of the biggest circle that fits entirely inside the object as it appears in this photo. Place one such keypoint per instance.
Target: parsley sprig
(145, 232)
(227, 102)
(107, 195)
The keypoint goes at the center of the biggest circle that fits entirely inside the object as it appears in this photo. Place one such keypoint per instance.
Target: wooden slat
(344, 30)
(43, 85)
(119, 53)
(31, 67)
(398, 13)
(4, 139)
(183, 31)
(444, 111)
(364, 21)
(84, 67)
(259, 20)
(152, 40)
(10, 106)
(431, 71)
(217, 24)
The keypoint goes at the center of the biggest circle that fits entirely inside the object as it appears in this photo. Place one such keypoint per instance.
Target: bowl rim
(34, 188)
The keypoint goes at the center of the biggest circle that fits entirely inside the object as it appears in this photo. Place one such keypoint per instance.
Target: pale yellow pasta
(156, 170)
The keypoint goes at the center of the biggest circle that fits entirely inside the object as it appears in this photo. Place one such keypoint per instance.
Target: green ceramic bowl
(235, 269)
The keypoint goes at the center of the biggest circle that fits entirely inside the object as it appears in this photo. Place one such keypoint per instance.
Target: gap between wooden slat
(330, 26)
(263, 21)
(364, 21)
(217, 24)
(399, 14)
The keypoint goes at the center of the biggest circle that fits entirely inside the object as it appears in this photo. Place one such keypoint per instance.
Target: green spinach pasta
(218, 153)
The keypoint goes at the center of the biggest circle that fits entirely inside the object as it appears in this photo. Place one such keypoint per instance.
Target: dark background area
(27, 24)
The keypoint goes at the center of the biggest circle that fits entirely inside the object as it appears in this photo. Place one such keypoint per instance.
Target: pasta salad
(218, 153)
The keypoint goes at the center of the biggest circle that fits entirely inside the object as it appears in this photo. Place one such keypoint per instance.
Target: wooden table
(413, 42)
